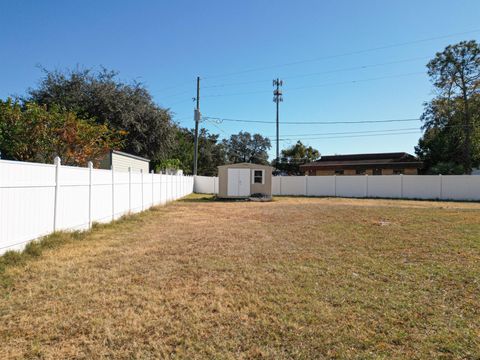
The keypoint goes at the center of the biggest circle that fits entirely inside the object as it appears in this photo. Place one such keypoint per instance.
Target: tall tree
(119, 105)
(244, 147)
(296, 155)
(451, 119)
(211, 151)
(30, 132)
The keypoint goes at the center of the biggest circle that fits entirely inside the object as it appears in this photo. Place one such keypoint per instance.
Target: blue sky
(238, 47)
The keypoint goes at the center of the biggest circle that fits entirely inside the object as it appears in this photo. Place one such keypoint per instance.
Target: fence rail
(38, 199)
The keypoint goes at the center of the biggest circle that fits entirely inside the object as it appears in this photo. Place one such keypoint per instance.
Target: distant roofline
(391, 159)
(398, 153)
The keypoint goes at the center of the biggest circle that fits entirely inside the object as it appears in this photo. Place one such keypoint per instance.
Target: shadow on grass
(198, 198)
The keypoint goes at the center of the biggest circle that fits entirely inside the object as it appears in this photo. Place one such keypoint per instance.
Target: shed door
(238, 182)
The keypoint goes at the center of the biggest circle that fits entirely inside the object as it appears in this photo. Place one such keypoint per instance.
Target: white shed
(121, 161)
(243, 180)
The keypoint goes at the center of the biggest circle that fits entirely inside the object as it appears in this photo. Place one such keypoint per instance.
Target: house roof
(396, 159)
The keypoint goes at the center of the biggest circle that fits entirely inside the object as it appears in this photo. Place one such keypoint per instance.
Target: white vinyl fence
(206, 185)
(38, 199)
(443, 187)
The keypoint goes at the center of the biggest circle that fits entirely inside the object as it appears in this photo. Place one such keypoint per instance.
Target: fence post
(57, 163)
(90, 171)
(129, 189)
(141, 180)
(401, 186)
(153, 198)
(366, 185)
(160, 186)
(335, 185)
(441, 186)
(113, 193)
(280, 177)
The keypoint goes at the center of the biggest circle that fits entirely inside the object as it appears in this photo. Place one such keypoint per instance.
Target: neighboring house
(364, 164)
(122, 161)
(476, 171)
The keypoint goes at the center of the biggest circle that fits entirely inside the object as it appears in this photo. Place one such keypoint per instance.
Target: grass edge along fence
(39, 199)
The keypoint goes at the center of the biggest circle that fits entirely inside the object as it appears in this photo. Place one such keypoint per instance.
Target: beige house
(121, 161)
(364, 164)
(243, 180)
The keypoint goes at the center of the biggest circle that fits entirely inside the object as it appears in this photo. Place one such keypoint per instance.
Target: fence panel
(421, 187)
(73, 198)
(320, 185)
(460, 187)
(27, 194)
(293, 185)
(385, 186)
(33, 204)
(351, 186)
(206, 185)
(102, 205)
(121, 202)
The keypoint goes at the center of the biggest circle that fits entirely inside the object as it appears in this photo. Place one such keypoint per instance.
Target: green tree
(294, 156)
(244, 147)
(30, 132)
(121, 106)
(451, 120)
(211, 152)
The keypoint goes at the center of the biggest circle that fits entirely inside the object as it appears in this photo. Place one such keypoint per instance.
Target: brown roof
(398, 159)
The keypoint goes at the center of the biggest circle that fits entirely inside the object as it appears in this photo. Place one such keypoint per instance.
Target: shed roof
(130, 155)
(245, 165)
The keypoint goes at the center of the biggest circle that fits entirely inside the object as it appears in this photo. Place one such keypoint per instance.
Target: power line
(353, 132)
(360, 67)
(353, 136)
(220, 120)
(357, 52)
(321, 85)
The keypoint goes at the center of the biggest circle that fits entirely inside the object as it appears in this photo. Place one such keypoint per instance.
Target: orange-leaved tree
(30, 132)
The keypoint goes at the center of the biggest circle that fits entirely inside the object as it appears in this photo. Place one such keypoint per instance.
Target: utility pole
(196, 116)
(277, 98)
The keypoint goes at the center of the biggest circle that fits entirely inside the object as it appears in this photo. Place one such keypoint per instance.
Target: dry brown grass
(294, 278)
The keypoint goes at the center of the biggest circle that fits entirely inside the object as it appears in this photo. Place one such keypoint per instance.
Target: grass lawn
(294, 278)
